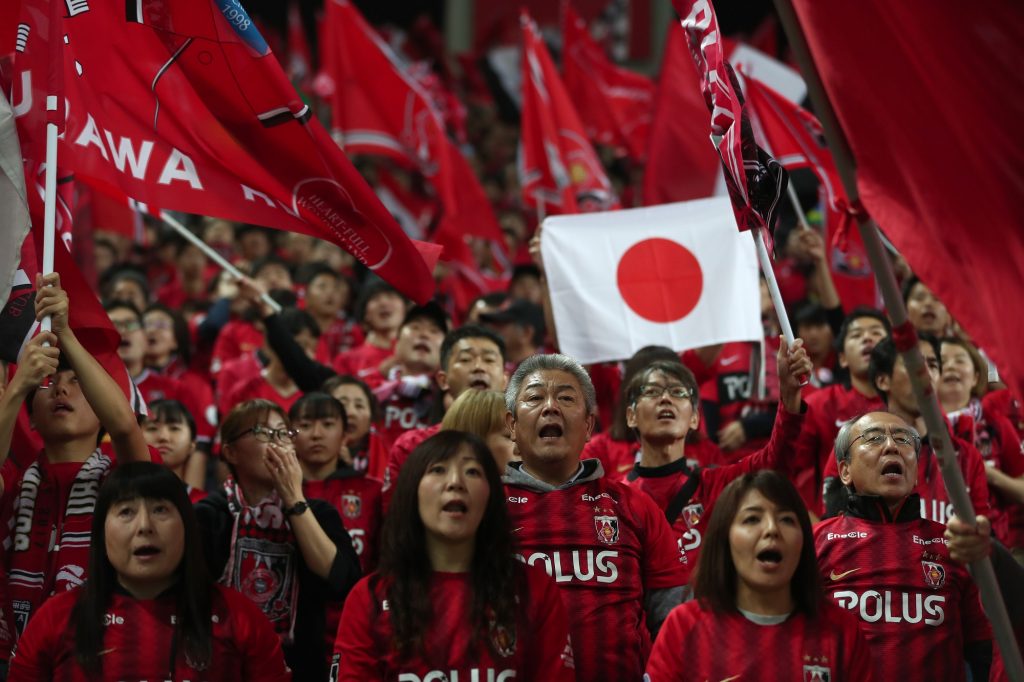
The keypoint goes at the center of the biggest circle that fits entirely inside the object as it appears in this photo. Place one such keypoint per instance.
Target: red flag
(795, 138)
(681, 165)
(558, 166)
(300, 57)
(755, 181)
(614, 103)
(379, 108)
(183, 105)
(933, 121)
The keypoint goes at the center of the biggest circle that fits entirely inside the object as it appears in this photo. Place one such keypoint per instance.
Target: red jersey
(406, 402)
(193, 393)
(362, 360)
(200, 391)
(698, 644)
(537, 650)
(237, 338)
(399, 452)
(608, 547)
(343, 335)
(258, 387)
(234, 373)
(662, 483)
(827, 409)
(139, 641)
(358, 501)
(935, 503)
(616, 456)
(918, 608)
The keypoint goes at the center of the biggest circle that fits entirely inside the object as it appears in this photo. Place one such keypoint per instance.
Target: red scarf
(262, 561)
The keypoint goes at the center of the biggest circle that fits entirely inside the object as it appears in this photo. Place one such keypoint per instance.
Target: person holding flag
(75, 412)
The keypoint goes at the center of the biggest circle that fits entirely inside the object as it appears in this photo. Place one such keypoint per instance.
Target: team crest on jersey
(351, 505)
(692, 514)
(607, 529)
(817, 673)
(934, 574)
(502, 641)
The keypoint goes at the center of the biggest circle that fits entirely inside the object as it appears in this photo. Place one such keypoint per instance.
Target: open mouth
(422, 347)
(770, 556)
(666, 414)
(61, 407)
(480, 384)
(146, 551)
(455, 507)
(551, 431)
(892, 470)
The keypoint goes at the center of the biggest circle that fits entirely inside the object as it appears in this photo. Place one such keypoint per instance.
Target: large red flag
(183, 105)
(795, 138)
(615, 104)
(558, 167)
(933, 121)
(379, 108)
(755, 181)
(681, 165)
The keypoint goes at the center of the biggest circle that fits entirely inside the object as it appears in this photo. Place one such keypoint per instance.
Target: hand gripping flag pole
(904, 337)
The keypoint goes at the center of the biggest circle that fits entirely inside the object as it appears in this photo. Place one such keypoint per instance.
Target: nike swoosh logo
(518, 529)
(839, 576)
(107, 651)
(729, 361)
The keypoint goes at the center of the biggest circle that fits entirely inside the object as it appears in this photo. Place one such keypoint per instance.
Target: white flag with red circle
(677, 275)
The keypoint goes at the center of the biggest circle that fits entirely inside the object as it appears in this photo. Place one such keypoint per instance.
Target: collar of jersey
(680, 465)
(873, 508)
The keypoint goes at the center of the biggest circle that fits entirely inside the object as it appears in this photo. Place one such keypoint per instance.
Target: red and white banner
(183, 105)
(614, 103)
(677, 275)
(755, 181)
(559, 169)
(379, 108)
(934, 123)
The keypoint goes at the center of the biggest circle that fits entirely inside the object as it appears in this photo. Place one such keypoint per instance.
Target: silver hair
(554, 361)
(844, 439)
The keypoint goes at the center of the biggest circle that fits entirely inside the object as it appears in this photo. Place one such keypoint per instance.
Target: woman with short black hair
(449, 596)
(759, 610)
(149, 609)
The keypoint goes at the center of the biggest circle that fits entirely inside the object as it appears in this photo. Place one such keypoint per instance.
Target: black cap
(430, 311)
(520, 311)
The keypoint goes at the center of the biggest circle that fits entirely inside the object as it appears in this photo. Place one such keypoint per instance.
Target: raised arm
(35, 364)
(103, 393)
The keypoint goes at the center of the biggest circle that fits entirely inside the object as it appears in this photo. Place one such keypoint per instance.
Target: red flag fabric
(558, 167)
(379, 108)
(614, 103)
(183, 105)
(755, 180)
(795, 138)
(933, 121)
(681, 165)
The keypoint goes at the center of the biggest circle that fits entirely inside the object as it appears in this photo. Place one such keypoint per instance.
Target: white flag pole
(212, 255)
(49, 200)
(904, 334)
(773, 285)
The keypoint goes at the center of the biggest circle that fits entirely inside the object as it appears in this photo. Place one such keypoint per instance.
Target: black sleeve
(216, 317)
(345, 571)
(758, 424)
(979, 658)
(307, 374)
(215, 524)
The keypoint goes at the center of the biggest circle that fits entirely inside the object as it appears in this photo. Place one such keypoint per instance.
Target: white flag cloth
(677, 275)
(14, 221)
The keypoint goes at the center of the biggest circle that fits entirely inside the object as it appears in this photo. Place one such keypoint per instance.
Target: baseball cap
(519, 311)
(430, 311)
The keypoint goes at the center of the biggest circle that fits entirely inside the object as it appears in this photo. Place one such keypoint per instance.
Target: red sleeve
(198, 398)
(973, 467)
(662, 558)
(1011, 458)
(356, 656)
(549, 653)
(666, 662)
(258, 643)
(701, 372)
(36, 651)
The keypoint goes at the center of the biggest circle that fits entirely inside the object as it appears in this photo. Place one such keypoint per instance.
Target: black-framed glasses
(902, 437)
(124, 326)
(655, 391)
(265, 434)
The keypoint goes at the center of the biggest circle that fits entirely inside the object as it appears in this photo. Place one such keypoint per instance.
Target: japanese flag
(677, 275)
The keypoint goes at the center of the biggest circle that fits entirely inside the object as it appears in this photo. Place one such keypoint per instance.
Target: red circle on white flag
(660, 280)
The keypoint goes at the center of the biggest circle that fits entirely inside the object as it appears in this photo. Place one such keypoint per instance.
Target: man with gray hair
(919, 610)
(607, 545)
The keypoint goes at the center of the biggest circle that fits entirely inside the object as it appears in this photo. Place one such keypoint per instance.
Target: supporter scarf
(261, 562)
(44, 558)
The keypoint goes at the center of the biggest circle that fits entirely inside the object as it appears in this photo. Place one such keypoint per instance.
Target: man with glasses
(663, 408)
(880, 559)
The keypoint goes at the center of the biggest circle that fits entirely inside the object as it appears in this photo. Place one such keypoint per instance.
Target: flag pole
(213, 255)
(905, 338)
(49, 197)
(765, 260)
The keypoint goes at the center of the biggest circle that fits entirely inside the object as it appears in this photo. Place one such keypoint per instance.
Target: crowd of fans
(359, 488)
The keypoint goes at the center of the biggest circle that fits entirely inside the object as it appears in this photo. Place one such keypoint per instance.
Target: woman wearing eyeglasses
(663, 408)
(289, 555)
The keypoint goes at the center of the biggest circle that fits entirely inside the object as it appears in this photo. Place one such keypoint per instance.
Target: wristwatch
(299, 507)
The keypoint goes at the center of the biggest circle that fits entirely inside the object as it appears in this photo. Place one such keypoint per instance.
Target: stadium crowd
(357, 487)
